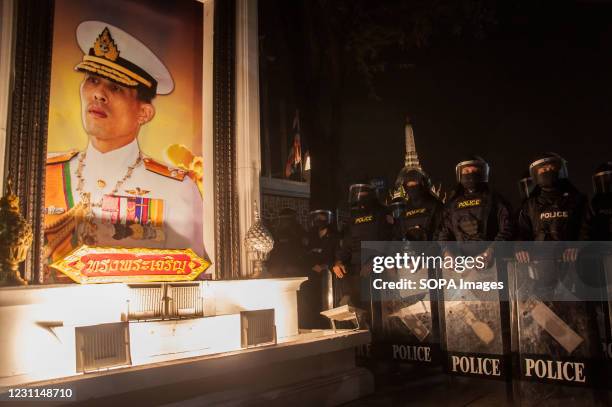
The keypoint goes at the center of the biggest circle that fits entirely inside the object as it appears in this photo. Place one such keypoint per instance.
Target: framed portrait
(132, 110)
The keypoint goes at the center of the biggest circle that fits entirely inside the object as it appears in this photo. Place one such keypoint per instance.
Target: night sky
(539, 81)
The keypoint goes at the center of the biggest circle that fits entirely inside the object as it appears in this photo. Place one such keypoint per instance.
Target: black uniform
(554, 215)
(288, 257)
(555, 210)
(481, 215)
(420, 220)
(475, 212)
(368, 222)
(600, 222)
(601, 218)
(321, 251)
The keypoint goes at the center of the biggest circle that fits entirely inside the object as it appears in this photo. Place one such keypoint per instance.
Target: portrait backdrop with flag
(294, 166)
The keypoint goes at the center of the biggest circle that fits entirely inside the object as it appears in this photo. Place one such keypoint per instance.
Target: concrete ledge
(284, 187)
(251, 371)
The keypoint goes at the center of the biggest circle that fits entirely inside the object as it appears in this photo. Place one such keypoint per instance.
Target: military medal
(81, 181)
(88, 228)
(135, 217)
(137, 191)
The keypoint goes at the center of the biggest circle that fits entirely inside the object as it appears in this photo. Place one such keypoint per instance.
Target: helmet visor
(602, 182)
(414, 178)
(360, 194)
(525, 187)
(397, 208)
(320, 218)
(475, 169)
(555, 165)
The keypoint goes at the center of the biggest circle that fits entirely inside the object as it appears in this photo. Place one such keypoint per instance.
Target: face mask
(471, 182)
(415, 192)
(320, 223)
(364, 202)
(548, 179)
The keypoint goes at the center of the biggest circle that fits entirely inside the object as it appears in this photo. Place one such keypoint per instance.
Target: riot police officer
(321, 247)
(555, 210)
(322, 239)
(287, 258)
(474, 211)
(600, 222)
(369, 222)
(423, 210)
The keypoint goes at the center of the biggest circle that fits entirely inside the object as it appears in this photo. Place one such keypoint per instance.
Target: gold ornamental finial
(105, 46)
(15, 238)
(10, 202)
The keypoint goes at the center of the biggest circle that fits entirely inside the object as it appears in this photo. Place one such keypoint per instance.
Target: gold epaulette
(56, 158)
(163, 169)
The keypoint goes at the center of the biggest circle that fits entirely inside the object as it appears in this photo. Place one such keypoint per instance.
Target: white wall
(6, 49)
(248, 150)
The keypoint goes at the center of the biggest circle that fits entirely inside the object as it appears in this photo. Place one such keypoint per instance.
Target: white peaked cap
(121, 57)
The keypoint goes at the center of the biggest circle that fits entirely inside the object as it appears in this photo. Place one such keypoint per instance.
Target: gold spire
(411, 159)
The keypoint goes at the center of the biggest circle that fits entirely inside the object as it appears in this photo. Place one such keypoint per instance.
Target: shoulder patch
(56, 158)
(164, 169)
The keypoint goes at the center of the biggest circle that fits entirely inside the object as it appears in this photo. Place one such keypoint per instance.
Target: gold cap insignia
(104, 46)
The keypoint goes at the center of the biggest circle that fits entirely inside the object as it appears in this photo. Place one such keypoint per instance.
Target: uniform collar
(103, 170)
(121, 157)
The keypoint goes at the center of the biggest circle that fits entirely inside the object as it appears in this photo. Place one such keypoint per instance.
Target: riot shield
(554, 330)
(474, 322)
(606, 316)
(410, 332)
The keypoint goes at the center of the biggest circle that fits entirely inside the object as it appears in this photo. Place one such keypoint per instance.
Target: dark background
(505, 80)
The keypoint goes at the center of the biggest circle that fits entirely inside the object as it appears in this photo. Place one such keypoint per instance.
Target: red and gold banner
(87, 265)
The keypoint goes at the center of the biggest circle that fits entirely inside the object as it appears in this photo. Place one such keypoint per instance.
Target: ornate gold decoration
(81, 181)
(63, 226)
(137, 191)
(15, 238)
(259, 243)
(182, 157)
(101, 183)
(87, 265)
(105, 46)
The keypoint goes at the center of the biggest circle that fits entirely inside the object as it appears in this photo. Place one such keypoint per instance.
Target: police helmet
(473, 161)
(320, 218)
(602, 178)
(559, 165)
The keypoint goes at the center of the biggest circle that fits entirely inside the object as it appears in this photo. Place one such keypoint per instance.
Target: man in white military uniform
(133, 200)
